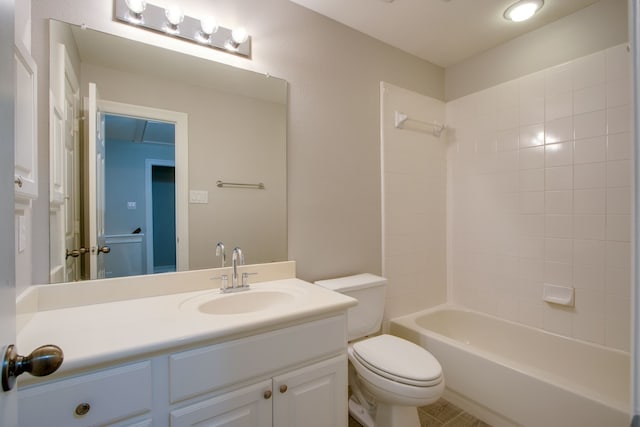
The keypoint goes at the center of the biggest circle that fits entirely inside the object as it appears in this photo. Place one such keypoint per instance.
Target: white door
(314, 396)
(96, 151)
(247, 407)
(8, 400)
(64, 162)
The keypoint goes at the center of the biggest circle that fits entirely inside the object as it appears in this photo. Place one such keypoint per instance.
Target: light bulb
(523, 10)
(136, 6)
(174, 15)
(209, 25)
(239, 35)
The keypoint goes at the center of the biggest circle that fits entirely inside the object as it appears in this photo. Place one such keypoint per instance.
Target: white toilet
(392, 376)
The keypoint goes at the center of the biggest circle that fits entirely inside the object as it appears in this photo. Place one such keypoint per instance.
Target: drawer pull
(267, 394)
(83, 409)
(283, 388)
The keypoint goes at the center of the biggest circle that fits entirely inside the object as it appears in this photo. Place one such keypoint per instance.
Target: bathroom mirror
(182, 153)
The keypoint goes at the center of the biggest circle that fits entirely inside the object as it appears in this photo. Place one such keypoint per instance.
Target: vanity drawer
(111, 395)
(206, 369)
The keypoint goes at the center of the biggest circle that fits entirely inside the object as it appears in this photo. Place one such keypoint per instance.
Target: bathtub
(510, 374)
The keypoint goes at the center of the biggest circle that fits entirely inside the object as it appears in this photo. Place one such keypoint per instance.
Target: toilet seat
(398, 360)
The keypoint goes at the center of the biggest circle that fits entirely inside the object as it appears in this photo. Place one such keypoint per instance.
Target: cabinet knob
(82, 409)
(267, 394)
(18, 181)
(283, 388)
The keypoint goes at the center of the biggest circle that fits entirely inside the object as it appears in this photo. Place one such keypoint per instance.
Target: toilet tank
(366, 317)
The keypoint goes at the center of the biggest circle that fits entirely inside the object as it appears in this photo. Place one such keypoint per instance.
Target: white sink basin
(244, 302)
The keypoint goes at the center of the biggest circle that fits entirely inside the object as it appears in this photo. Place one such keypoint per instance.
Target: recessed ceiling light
(523, 10)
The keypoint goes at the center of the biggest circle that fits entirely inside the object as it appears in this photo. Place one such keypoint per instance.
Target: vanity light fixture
(134, 10)
(175, 16)
(523, 10)
(172, 21)
(208, 26)
(238, 36)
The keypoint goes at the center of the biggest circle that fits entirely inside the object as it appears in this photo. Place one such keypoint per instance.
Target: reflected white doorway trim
(181, 166)
(148, 196)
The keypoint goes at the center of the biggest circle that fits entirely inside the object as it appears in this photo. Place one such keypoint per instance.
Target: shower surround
(539, 191)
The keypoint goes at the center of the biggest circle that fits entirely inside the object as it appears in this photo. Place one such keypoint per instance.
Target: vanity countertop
(104, 333)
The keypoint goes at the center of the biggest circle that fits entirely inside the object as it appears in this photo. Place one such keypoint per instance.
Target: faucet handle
(224, 279)
(245, 279)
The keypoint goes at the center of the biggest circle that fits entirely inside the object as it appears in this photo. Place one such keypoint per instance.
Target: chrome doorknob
(42, 361)
(104, 250)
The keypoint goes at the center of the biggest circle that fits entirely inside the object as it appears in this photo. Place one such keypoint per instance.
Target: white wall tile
(589, 227)
(531, 180)
(541, 192)
(558, 226)
(592, 175)
(619, 119)
(589, 252)
(558, 105)
(590, 150)
(559, 178)
(588, 125)
(508, 140)
(618, 93)
(619, 200)
(619, 173)
(558, 202)
(559, 130)
(591, 98)
(619, 146)
(619, 228)
(558, 250)
(532, 202)
(532, 158)
(590, 201)
(560, 154)
(532, 135)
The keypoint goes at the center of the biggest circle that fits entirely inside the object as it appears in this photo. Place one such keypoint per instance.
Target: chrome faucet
(237, 257)
(220, 252)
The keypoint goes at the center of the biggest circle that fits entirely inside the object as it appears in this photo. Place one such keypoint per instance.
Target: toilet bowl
(389, 376)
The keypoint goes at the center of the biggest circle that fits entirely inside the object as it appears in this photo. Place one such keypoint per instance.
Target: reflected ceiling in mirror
(236, 132)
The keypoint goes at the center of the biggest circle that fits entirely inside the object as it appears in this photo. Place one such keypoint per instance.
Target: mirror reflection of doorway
(140, 216)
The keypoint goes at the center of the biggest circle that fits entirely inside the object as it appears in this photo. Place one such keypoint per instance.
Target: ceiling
(443, 32)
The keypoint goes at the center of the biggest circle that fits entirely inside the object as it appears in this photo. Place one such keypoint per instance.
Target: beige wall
(414, 175)
(589, 30)
(333, 120)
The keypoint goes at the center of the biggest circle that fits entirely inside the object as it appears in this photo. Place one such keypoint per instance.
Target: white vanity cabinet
(313, 396)
(98, 398)
(294, 375)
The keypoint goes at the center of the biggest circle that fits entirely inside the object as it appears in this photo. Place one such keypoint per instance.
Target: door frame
(148, 193)
(181, 162)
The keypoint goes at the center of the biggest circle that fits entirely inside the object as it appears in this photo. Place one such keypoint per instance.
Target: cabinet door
(314, 396)
(248, 407)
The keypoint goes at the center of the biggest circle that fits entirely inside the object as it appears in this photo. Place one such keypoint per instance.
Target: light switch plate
(198, 196)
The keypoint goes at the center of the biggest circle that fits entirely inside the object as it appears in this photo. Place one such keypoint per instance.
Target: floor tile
(466, 420)
(442, 410)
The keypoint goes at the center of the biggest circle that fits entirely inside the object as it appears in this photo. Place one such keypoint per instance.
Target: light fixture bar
(154, 18)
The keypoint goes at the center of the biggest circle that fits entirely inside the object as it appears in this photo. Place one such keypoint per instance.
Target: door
(8, 401)
(314, 396)
(96, 150)
(247, 407)
(64, 162)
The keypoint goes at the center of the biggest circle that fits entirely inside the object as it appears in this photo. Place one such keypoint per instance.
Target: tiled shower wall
(539, 191)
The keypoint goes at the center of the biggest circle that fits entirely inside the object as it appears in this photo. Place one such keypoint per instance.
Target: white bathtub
(510, 374)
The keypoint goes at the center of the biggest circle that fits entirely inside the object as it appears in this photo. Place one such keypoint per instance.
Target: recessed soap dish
(561, 295)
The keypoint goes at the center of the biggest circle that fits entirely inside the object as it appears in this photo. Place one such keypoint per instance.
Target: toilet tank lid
(352, 283)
